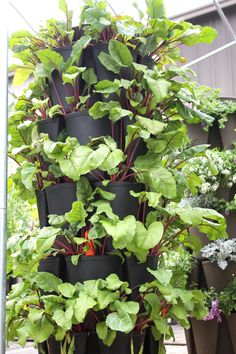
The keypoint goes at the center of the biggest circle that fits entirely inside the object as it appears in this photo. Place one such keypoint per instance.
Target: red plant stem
(144, 211)
(130, 159)
(103, 246)
(130, 175)
(64, 246)
(58, 96)
(121, 134)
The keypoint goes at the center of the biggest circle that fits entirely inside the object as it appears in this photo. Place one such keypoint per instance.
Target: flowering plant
(216, 169)
(215, 312)
(220, 251)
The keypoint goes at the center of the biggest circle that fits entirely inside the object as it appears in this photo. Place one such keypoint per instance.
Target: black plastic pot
(92, 267)
(216, 277)
(122, 344)
(80, 344)
(137, 273)
(57, 90)
(124, 204)
(60, 198)
(205, 335)
(42, 208)
(52, 127)
(83, 127)
(51, 265)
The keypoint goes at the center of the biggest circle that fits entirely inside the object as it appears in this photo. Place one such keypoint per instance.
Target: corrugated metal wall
(218, 71)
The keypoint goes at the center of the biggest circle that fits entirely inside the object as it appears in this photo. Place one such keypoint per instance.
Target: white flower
(225, 172)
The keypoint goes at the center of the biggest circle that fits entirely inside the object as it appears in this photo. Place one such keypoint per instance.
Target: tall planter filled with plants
(100, 139)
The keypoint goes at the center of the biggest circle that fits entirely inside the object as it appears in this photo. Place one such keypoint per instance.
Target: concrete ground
(178, 347)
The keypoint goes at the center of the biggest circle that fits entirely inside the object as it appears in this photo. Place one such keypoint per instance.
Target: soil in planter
(137, 273)
(83, 127)
(122, 344)
(216, 277)
(42, 208)
(52, 127)
(60, 198)
(93, 267)
(124, 204)
(205, 335)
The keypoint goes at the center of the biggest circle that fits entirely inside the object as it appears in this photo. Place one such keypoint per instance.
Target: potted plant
(220, 267)
(222, 109)
(228, 307)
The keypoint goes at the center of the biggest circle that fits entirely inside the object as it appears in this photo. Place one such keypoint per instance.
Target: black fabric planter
(51, 265)
(122, 344)
(137, 273)
(214, 137)
(60, 198)
(101, 72)
(52, 127)
(42, 208)
(57, 90)
(92, 267)
(80, 344)
(151, 346)
(83, 127)
(124, 204)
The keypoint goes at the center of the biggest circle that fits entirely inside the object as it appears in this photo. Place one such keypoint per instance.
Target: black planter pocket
(42, 208)
(123, 344)
(60, 198)
(52, 127)
(83, 127)
(92, 267)
(137, 273)
(124, 204)
(80, 344)
(151, 346)
(138, 146)
(51, 264)
(57, 89)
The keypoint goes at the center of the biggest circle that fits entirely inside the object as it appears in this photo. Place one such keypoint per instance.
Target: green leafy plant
(227, 299)
(209, 102)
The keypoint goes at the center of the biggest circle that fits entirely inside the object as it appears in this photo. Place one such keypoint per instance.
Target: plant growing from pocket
(220, 251)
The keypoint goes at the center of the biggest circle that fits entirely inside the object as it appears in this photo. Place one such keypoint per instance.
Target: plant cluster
(138, 98)
(209, 102)
(222, 303)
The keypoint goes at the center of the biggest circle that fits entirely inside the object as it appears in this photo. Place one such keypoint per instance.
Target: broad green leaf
(67, 289)
(162, 181)
(50, 59)
(162, 275)
(155, 8)
(63, 318)
(22, 74)
(41, 330)
(89, 76)
(152, 236)
(77, 214)
(101, 329)
(35, 315)
(46, 238)
(107, 86)
(199, 34)
(152, 126)
(120, 53)
(47, 281)
(109, 63)
(82, 305)
(159, 88)
(120, 322)
(112, 160)
(84, 191)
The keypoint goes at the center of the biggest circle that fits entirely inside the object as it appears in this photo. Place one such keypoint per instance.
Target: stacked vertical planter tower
(100, 139)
